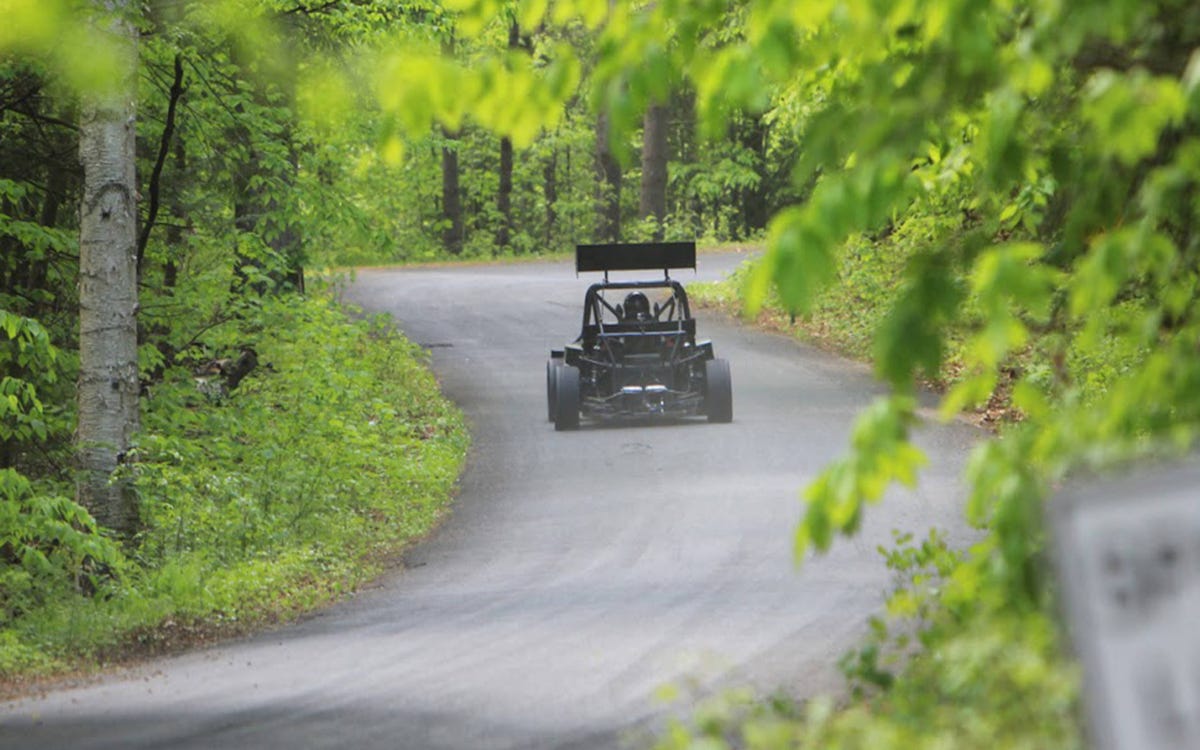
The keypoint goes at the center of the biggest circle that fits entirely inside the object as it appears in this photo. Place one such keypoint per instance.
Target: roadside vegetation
(258, 501)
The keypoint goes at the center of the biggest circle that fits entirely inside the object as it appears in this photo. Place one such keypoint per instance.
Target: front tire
(718, 391)
(566, 398)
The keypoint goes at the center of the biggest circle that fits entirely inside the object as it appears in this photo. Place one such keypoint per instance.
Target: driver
(636, 308)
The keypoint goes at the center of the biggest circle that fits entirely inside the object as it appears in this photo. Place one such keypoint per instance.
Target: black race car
(637, 354)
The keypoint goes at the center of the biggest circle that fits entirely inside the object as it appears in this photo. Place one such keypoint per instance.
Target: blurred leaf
(1128, 112)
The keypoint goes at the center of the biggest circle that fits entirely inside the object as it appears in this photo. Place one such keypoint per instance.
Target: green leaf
(1003, 150)
(1115, 258)
(531, 12)
(910, 337)
(1127, 112)
(880, 454)
(800, 258)
(1011, 275)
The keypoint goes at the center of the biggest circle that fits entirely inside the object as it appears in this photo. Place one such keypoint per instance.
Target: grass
(259, 505)
(865, 282)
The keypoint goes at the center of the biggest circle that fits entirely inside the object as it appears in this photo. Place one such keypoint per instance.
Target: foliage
(1029, 167)
(257, 503)
(362, 390)
(949, 666)
(51, 546)
(29, 353)
(1006, 191)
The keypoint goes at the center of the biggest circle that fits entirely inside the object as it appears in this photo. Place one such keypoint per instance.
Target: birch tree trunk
(108, 375)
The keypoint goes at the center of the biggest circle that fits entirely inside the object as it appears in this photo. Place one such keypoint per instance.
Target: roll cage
(668, 316)
(670, 333)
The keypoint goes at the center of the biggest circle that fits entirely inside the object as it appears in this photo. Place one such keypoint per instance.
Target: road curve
(579, 571)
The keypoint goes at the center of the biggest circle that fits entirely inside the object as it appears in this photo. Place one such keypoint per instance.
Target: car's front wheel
(566, 398)
(718, 391)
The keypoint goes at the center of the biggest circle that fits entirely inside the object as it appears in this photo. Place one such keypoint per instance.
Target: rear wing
(635, 256)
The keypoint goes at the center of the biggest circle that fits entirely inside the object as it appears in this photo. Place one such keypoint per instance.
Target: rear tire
(718, 391)
(566, 398)
(552, 367)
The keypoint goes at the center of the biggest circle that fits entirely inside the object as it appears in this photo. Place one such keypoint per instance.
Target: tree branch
(306, 10)
(164, 147)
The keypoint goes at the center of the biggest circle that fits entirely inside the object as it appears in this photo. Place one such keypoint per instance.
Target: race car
(636, 355)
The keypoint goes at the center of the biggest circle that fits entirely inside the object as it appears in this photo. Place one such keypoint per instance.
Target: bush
(257, 502)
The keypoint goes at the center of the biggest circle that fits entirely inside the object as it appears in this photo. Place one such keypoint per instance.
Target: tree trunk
(108, 374)
(56, 188)
(609, 185)
(258, 209)
(285, 239)
(246, 215)
(178, 217)
(10, 268)
(550, 188)
(754, 199)
(504, 197)
(452, 209)
(164, 148)
(653, 199)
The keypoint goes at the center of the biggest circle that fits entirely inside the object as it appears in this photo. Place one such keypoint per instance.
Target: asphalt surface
(579, 571)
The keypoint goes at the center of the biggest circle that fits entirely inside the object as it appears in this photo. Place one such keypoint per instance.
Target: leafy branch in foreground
(1046, 264)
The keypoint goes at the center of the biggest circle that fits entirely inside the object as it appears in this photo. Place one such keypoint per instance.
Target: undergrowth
(948, 665)
(850, 317)
(258, 502)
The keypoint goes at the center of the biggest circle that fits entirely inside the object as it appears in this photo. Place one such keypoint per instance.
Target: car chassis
(622, 366)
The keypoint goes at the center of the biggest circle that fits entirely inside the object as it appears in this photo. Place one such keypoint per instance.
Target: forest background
(1003, 194)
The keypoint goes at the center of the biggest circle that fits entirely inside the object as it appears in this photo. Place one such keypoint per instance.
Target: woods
(239, 160)
(997, 198)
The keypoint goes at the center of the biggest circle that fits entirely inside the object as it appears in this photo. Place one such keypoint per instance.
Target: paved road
(579, 571)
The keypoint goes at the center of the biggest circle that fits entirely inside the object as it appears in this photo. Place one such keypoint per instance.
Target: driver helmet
(637, 306)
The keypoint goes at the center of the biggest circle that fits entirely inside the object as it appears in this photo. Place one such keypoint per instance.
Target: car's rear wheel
(718, 391)
(566, 398)
(552, 367)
